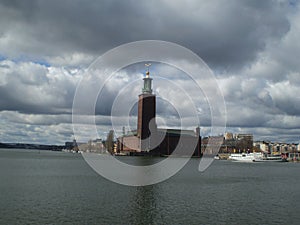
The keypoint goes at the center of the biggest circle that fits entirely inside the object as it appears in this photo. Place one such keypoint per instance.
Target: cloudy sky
(46, 48)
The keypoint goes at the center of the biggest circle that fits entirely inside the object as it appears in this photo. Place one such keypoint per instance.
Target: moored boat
(245, 157)
(269, 158)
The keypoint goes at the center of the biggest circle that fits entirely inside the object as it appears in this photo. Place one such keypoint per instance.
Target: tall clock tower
(146, 114)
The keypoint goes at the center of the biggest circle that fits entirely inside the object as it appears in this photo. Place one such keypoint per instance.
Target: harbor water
(60, 188)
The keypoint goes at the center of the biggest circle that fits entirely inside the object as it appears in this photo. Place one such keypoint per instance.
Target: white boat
(217, 157)
(268, 158)
(245, 157)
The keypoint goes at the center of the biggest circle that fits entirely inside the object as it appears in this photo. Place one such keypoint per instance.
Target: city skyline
(251, 46)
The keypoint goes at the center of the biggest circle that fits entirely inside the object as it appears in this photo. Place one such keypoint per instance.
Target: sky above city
(251, 46)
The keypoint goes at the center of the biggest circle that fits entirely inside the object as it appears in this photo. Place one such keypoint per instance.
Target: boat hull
(268, 160)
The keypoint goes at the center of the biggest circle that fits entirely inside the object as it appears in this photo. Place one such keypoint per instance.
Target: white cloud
(30, 87)
(76, 59)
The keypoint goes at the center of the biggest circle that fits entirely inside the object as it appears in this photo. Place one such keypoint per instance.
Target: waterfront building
(244, 142)
(263, 146)
(238, 143)
(212, 142)
(228, 136)
(150, 140)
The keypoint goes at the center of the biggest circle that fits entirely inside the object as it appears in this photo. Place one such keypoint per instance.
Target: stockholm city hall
(150, 140)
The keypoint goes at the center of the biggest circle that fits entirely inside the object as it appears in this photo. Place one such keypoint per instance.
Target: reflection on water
(139, 160)
(143, 208)
(143, 205)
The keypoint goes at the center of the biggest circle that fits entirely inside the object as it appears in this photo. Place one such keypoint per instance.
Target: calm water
(60, 188)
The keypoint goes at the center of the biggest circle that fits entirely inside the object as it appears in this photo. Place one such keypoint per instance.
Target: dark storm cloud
(226, 34)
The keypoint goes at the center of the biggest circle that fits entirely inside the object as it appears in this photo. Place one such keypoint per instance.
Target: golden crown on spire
(147, 73)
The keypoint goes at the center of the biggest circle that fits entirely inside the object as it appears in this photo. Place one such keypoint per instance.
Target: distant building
(263, 146)
(244, 142)
(71, 145)
(228, 136)
(277, 147)
(234, 143)
(92, 146)
(208, 144)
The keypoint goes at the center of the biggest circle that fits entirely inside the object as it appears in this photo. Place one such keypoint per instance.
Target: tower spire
(147, 81)
(147, 72)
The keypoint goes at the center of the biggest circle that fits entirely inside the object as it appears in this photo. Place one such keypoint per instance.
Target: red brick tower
(146, 114)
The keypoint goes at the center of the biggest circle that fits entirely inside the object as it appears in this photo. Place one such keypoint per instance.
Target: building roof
(177, 131)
